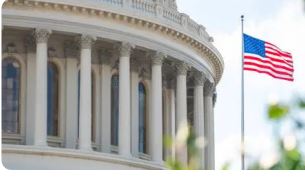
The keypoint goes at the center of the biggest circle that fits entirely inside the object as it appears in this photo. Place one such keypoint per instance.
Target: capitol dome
(99, 84)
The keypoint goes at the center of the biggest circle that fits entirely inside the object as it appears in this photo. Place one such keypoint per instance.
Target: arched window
(10, 96)
(142, 118)
(115, 110)
(53, 97)
(93, 124)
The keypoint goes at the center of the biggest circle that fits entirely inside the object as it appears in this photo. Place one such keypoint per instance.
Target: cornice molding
(202, 47)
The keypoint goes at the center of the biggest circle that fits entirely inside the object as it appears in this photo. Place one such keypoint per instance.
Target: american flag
(264, 57)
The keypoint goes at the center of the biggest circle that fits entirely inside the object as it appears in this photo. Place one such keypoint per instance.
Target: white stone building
(98, 84)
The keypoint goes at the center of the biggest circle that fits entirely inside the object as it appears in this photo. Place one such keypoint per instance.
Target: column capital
(86, 41)
(125, 49)
(209, 88)
(199, 78)
(42, 35)
(71, 49)
(157, 58)
(182, 68)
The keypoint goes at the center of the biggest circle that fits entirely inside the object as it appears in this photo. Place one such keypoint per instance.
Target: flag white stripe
(272, 61)
(269, 65)
(269, 71)
(277, 49)
(286, 59)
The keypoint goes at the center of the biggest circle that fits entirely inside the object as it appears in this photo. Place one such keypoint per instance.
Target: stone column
(85, 94)
(124, 100)
(156, 108)
(209, 125)
(134, 107)
(173, 119)
(181, 116)
(105, 56)
(199, 114)
(40, 115)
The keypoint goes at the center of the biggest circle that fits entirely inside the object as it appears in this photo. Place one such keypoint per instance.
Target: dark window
(52, 93)
(142, 118)
(10, 96)
(114, 110)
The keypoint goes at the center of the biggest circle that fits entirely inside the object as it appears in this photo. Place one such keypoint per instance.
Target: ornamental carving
(105, 56)
(157, 58)
(42, 35)
(30, 43)
(71, 49)
(125, 49)
(214, 98)
(134, 64)
(144, 73)
(182, 68)
(199, 78)
(86, 41)
(52, 52)
(209, 88)
(11, 48)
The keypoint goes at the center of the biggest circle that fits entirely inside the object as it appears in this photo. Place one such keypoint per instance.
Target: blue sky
(281, 22)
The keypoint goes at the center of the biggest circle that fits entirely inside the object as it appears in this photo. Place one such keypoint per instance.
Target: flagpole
(242, 99)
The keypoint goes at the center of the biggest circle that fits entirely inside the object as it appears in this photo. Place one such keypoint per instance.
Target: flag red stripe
(267, 67)
(272, 60)
(268, 43)
(280, 53)
(279, 60)
(266, 61)
(270, 74)
(277, 54)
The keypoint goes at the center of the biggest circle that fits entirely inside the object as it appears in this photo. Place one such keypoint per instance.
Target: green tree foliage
(288, 149)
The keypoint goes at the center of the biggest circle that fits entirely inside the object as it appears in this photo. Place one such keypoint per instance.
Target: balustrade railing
(150, 9)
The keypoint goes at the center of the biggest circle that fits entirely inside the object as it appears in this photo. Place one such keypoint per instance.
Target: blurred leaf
(174, 164)
(277, 111)
(226, 166)
(168, 142)
(302, 103)
(299, 124)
